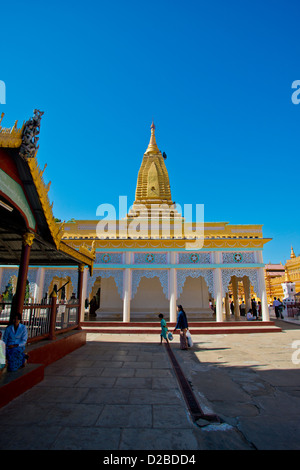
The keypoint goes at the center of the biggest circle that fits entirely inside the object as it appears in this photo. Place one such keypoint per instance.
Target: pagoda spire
(152, 147)
(292, 253)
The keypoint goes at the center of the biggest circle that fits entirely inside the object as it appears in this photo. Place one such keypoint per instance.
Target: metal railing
(47, 319)
(66, 315)
(5, 309)
(37, 319)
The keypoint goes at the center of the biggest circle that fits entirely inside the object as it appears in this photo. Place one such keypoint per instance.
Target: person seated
(15, 337)
(250, 316)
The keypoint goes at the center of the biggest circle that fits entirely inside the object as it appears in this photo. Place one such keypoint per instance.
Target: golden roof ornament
(152, 147)
(153, 191)
(10, 137)
(292, 253)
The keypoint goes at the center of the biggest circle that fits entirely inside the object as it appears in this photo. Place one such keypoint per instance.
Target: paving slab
(121, 393)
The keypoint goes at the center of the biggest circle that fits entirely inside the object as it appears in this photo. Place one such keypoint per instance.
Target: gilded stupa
(153, 193)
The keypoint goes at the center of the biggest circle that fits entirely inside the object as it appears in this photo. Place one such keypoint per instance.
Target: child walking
(164, 328)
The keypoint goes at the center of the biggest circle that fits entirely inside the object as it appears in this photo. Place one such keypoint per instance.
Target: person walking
(164, 328)
(276, 304)
(243, 309)
(280, 308)
(259, 312)
(182, 325)
(254, 307)
(93, 307)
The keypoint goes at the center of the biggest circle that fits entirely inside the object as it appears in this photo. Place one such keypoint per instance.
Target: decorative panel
(137, 275)
(109, 258)
(207, 274)
(61, 273)
(194, 258)
(252, 274)
(150, 258)
(238, 257)
(117, 274)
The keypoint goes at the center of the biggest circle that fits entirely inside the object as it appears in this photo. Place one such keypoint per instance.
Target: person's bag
(189, 339)
(170, 336)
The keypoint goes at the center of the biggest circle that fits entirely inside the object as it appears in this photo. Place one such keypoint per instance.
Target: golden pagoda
(153, 185)
(289, 273)
(153, 258)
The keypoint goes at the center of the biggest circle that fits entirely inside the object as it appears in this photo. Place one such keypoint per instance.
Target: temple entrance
(195, 299)
(240, 298)
(149, 301)
(105, 302)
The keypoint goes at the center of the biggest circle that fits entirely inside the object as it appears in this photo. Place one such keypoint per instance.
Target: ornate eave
(56, 229)
(25, 141)
(169, 244)
(85, 257)
(10, 137)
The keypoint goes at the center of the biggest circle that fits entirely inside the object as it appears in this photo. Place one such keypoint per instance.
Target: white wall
(195, 296)
(150, 299)
(110, 300)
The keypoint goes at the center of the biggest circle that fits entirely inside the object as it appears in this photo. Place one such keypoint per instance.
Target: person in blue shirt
(164, 328)
(182, 325)
(15, 337)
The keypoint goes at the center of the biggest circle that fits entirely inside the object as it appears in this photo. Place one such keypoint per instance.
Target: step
(196, 328)
(41, 354)
(13, 384)
(198, 324)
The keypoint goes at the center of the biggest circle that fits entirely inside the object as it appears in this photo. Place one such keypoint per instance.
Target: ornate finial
(30, 134)
(152, 147)
(28, 238)
(292, 253)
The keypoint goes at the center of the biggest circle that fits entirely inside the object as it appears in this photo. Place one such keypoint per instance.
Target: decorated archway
(149, 297)
(105, 294)
(241, 292)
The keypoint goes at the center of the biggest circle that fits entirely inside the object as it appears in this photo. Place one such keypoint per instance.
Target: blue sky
(216, 77)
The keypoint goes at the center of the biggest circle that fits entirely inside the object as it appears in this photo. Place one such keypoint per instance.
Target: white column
(40, 278)
(84, 292)
(263, 290)
(127, 289)
(235, 291)
(246, 284)
(173, 288)
(1, 272)
(227, 308)
(218, 286)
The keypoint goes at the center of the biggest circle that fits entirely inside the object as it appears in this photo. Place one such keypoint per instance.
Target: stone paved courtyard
(120, 392)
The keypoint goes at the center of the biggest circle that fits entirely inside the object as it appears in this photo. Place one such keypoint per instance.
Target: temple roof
(25, 205)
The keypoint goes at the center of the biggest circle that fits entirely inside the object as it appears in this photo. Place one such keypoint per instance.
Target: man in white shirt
(276, 304)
